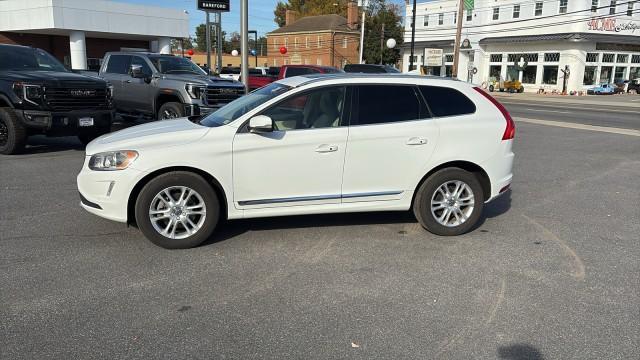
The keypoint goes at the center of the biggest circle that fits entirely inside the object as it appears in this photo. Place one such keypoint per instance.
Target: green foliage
(380, 12)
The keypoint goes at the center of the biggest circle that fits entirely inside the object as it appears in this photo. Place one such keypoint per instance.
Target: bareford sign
(214, 5)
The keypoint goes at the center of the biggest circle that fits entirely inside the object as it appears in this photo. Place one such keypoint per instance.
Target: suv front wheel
(170, 110)
(13, 134)
(449, 202)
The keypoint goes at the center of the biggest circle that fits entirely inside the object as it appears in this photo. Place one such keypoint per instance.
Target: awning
(608, 38)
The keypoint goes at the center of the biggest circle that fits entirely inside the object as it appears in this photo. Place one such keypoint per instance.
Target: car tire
(491, 88)
(431, 204)
(170, 110)
(87, 136)
(521, 89)
(13, 133)
(169, 223)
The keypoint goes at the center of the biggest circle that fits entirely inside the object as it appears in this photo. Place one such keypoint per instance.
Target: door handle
(417, 141)
(326, 148)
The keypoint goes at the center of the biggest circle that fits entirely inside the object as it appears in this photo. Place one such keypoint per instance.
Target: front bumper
(106, 193)
(64, 123)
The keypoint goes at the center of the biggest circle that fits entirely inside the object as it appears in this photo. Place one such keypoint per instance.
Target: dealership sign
(433, 57)
(610, 24)
(214, 5)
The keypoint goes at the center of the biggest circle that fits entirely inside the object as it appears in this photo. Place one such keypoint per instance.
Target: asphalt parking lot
(553, 271)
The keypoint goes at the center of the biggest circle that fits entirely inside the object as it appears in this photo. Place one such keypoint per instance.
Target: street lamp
(391, 43)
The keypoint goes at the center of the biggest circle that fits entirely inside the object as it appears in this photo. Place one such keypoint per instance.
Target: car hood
(52, 78)
(165, 133)
(204, 80)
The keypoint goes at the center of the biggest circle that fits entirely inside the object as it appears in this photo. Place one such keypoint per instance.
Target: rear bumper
(500, 170)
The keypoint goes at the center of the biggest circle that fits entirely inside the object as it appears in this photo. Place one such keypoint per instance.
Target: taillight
(510, 131)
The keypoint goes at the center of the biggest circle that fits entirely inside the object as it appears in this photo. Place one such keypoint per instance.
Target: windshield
(241, 106)
(26, 58)
(175, 65)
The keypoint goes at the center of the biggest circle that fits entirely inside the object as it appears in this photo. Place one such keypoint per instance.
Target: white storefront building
(598, 41)
(79, 32)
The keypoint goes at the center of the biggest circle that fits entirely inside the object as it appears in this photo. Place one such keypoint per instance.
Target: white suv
(308, 145)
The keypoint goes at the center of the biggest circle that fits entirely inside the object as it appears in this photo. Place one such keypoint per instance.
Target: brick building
(316, 40)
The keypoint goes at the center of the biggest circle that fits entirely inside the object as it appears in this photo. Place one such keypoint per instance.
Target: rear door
(116, 72)
(391, 138)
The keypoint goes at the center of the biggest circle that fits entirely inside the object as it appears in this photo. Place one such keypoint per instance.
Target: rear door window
(118, 64)
(378, 104)
(444, 101)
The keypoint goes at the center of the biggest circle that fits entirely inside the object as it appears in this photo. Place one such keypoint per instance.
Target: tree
(201, 37)
(388, 14)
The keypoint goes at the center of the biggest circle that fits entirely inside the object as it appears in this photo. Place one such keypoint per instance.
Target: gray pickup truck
(164, 86)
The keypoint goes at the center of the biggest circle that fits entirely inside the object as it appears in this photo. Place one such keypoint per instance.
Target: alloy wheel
(169, 114)
(452, 203)
(177, 212)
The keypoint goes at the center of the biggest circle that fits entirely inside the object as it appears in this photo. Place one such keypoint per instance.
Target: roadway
(611, 111)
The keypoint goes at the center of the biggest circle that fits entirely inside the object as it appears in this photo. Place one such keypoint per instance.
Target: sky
(260, 13)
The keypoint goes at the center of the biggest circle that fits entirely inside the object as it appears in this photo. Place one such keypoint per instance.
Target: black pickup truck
(38, 95)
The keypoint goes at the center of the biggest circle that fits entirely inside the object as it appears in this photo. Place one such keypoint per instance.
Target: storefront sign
(433, 57)
(610, 24)
(214, 5)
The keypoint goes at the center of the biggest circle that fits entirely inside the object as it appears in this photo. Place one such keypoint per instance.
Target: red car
(259, 77)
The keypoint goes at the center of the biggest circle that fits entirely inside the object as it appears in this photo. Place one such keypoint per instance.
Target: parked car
(370, 69)
(231, 73)
(164, 86)
(602, 89)
(502, 85)
(259, 77)
(297, 70)
(38, 95)
(441, 148)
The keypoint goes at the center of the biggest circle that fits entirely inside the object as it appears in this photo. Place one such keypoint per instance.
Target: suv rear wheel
(177, 210)
(13, 134)
(170, 110)
(449, 202)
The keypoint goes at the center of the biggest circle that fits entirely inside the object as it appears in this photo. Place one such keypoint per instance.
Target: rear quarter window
(444, 101)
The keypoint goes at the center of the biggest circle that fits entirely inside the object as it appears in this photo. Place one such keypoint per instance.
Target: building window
(319, 41)
(563, 6)
(538, 11)
(455, 17)
(618, 76)
(634, 73)
(286, 42)
(516, 11)
(344, 42)
(512, 73)
(440, 19)
(552, 57)
(612, 7)
(275, 62)
(635, 59)
(592, 57)
(630, 8)
(425, 22)
(295, 43)
(494, 72)
(448, 71)
(529, 74)
(319, 61)
(622, 58)
(448, 58)
(306, 42)
(469, 14)
(495, 58)
(594, 6)
(275, 44)
(605, 74)
(607, 58)
(496, 13)
(589, 75)
(529, 57)
(550, 75)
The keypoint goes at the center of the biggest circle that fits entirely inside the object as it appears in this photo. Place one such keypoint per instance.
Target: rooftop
(331, 22)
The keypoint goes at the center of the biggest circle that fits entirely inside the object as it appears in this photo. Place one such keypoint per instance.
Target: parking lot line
(569, 125)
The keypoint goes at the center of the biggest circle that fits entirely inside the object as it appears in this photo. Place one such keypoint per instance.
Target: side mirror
(260, 124)
(136, 71)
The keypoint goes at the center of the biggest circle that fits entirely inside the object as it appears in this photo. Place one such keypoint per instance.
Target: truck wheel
(170, 110)
(177, 210)
(449, 202)
(87, 136)
(491, 88)
(13, 134)
(521, 89)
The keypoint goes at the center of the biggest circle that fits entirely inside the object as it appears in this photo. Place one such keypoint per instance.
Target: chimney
(290, 17)
(352, 15)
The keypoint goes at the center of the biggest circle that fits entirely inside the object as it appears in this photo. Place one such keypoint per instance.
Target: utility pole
(381, 43)
(364, 13)
(208, 38)
(244, 43)
(456, 49)
(413, 34)
(219, 40)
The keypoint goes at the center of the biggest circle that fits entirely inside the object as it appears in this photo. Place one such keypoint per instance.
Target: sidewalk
(626, 100)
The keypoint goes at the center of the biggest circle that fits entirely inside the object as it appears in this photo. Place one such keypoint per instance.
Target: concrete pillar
(78, 50)
(164, 45)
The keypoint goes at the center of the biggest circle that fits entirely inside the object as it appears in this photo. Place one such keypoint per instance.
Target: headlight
(194, 90)
(29, 92)
(112, 160)
(109, 91)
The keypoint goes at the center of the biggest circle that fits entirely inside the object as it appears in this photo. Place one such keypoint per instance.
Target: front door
(139, 97)
(301, 161)
(391, 139)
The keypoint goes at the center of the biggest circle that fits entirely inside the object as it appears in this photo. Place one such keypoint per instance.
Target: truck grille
(80, 98)
(222, 96)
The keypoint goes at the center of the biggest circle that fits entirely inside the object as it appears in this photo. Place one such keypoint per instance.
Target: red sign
(609, 24)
